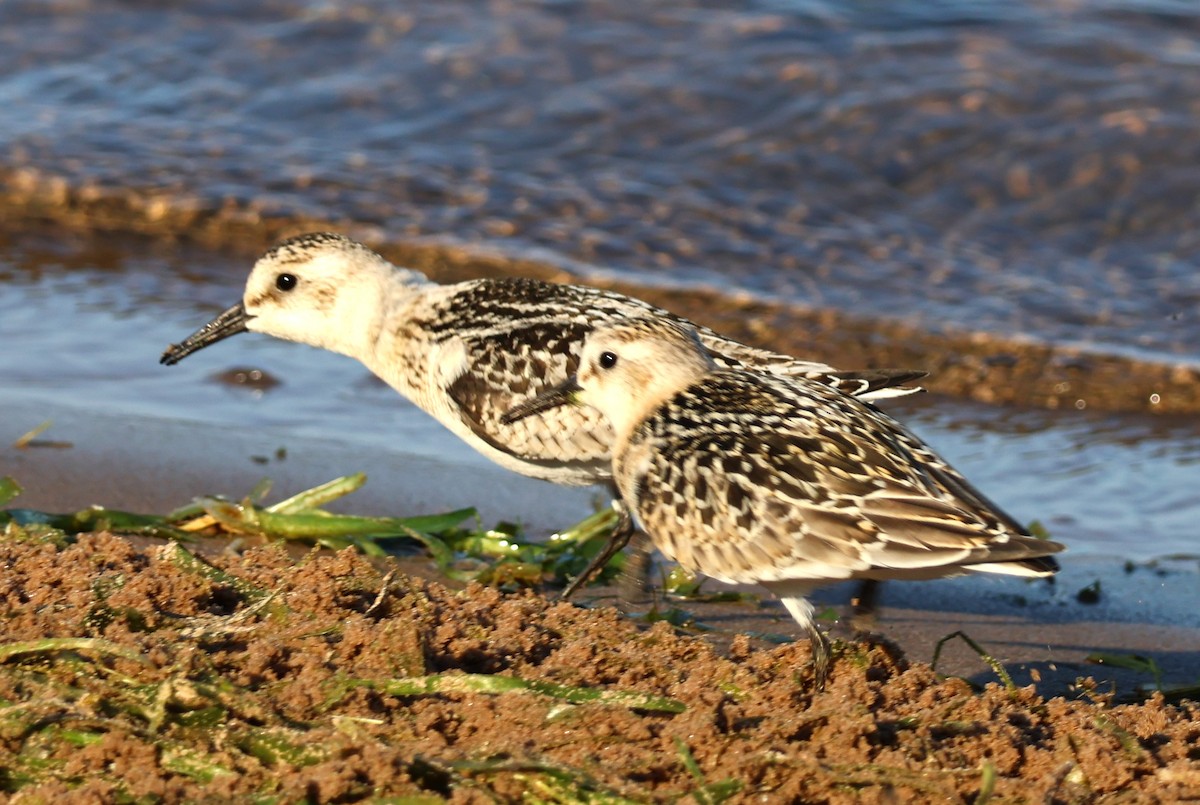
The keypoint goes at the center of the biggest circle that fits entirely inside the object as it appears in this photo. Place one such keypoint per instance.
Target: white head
(320, 289)
(627, 370)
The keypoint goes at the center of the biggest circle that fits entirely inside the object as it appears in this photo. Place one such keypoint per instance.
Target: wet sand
(1036, 628)
(323, 679)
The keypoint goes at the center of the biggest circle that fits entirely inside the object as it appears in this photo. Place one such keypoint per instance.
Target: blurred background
(1004, 193)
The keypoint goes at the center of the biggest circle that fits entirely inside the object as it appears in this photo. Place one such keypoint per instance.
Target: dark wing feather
(520, 338)
(524, 336)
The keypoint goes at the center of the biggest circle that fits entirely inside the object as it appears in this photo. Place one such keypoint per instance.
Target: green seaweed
(544, 782)
(97, 518)
(317, 496)
(9, 489)
(190, 763)
(277, 746)
(495, 685)
(51, 645)
(987, 783)
(992, 662)
(31, 439)
(1131, 662)
(1124, 737)
(706, 793)
(501, 556)
(562, 787)
(1145, 665)
(189, 562)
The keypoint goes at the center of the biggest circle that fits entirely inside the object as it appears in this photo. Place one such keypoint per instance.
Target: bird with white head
(466, 353)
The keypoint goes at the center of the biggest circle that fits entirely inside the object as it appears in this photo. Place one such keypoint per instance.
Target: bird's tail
(1037, 567)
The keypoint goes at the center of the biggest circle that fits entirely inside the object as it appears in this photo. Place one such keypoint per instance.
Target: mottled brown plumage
(466, 353)
(750, 477)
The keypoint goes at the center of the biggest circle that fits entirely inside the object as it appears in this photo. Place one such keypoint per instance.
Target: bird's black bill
(563, 394)
(231, 322)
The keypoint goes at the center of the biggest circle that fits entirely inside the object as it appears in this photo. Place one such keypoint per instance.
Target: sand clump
(260, 675)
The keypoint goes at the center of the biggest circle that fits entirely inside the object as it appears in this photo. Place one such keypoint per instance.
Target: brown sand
(260, 691)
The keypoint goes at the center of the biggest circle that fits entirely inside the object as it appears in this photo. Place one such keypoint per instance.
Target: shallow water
(1104, 484)
(1026, 168)
(1022, 167)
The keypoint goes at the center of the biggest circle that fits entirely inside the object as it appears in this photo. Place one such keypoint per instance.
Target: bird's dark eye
(285, 282)
(608, 360)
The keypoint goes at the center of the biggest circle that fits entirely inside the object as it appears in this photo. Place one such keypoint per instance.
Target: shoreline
(981, 366)
(1036, 629)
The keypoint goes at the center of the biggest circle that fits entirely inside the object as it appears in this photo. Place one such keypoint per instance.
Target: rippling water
(1027, 168)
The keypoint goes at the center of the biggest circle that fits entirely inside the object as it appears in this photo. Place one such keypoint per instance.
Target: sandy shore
(1040, 630)
(130, 671)
(133, 671)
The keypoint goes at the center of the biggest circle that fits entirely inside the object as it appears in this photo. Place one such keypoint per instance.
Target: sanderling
(750, 477)
(468, 352)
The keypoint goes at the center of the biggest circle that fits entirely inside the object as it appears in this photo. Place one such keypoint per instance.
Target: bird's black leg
(820, 654)
(633, 585)
(792, 595)
(616, 541)
(865, 607)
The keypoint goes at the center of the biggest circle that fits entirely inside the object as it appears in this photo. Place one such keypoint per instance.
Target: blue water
(1019, 167)
(1025, 168)
(1105, 484)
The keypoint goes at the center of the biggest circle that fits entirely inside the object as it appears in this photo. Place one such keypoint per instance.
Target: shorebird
(466, 353)
(751, 477)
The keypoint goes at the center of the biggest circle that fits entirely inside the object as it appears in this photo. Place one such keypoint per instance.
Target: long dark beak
(231, 322)
(563, 394)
